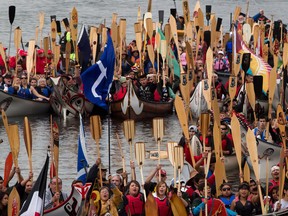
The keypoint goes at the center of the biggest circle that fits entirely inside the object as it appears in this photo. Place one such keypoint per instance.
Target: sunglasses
(23, 77)
(226, 189)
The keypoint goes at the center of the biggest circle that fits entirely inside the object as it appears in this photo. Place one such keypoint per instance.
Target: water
(93, 13)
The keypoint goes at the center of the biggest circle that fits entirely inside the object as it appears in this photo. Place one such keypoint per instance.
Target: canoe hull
(17, 106)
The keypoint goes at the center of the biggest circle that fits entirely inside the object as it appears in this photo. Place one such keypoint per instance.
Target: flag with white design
(97, 79)
(82, 162)
(35, 201)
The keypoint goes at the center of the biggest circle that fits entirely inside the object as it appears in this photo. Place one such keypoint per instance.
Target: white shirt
(284, 204)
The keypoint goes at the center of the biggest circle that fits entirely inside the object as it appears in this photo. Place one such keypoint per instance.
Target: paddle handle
(261, 198)
(142, 180)
(99, 156)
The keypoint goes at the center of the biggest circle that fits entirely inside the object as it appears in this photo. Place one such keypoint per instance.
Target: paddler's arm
(23, 182)
(233, 205)
(196, 210)
(152, 174)
(92, 174)
(179, 194)
(132, 166)
(19, 176)
(200, 162)
(33, 90)
(117, 195)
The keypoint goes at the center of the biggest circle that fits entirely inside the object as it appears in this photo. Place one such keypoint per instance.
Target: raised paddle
(55, 135)
(140, 157)
(252, 148)
(129, 133)
(178, 163)
(29, 58)
(236, 135)
(15, 145)
(17, 39)
(149, 8)
(94, 40)
(11, 12)
(151, 207)
(2, 53)
(41, 25)
(186, 11)
(246, 172)
(7, 168)
(74, 30)
(158, 133)
(170, 151)
(28, 141)
(13, 203)
(122, 157)
(96, 132)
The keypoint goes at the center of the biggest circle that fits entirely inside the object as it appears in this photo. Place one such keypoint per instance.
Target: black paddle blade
(58, 27)
(219, 23)
(161, 16)
(207, 37)
(173, 12)
(258, 83)
(277, 30)
(53, 17)
(246, 61)
(12, 11)
(66, 22)
(208, 12)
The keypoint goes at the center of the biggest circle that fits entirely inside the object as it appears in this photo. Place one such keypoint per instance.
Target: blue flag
(82, 162)
(84, 49)
(97, 79)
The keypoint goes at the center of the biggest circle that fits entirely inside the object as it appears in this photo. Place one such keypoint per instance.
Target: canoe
(283, 212)
(65, 100)
(17, 106)
(263, 149)
(132, 107)
(230, 161)
(73, 204)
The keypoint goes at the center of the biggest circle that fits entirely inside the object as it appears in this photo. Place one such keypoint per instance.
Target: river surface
(93, 13)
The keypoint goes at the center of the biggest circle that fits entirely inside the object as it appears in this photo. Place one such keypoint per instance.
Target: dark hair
(224, 184)
(202, 186)
(2, 194)
(129, 184)
(1, 178)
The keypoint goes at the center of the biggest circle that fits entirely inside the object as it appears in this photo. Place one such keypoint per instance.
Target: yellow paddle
(158, 132)
(140, 157)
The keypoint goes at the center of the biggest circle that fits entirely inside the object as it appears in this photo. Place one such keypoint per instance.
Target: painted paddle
(7, 169)
(129, 133)
(96, 132)
(53, 27)
(252, 147)
(12, 11)
(140, 157)
(122, 157)
(236, 135)
(13, 203)
(251, 97)
(94, 41)
(55, 132)
(28, 141)
(74, 30)
(186, 11)
(158, 133)
(151, 54)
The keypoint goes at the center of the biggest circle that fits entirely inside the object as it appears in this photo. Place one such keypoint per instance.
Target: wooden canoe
(73, 204)
(65, 99)
(132, 107)
(17, 106)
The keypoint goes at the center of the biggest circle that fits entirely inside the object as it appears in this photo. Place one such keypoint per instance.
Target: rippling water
(94, 13)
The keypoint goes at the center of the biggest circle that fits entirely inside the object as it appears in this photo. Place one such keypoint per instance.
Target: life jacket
(135, 205)
(227, 202)
(215, 207)
(272, 184)
(164, 207)
(43, 91)
(25, 92)
(145, 93)
(40, 64)
(120, 94)
(220, 64)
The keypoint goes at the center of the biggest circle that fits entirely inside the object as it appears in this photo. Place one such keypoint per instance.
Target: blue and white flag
(35, 200)
(82, 162)
(97, 79)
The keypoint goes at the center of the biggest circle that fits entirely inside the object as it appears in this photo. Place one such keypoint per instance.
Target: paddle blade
(140, 153)
(204, 123)
(246, 57)
(15, 147)
(158, 128)
(177, 206)
(181, 113)
(8, 167)
(170, 150)
(236, 135)
(17, 37)
(161, 16)
(151, 207)
(95, 127)
(12, 11)
(13, 202)
(179, 157)
(252, 148)
(52, 172)
(27, 136)
(129, 129)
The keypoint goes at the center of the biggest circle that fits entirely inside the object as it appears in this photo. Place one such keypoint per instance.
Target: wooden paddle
(15, 147)
(7, 168)
(246, 172)
(96, 132)
(140, 157)
(30, 59)
(285, 57)
(151, 207)
(17, 40)
(41, 25)
(178, 163)
(129, 133)
(74, 30)
(186, 11)
(139, 45)
(163, 54)
(236, 135)
(170, 150)
(151, 54)
(11, 12)
(28, 141)
(14, 203)
(2, 52)
(252, 148)
(158, 133)
(247, 34)
(94, 40)
(55, 134)
(122, 157)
